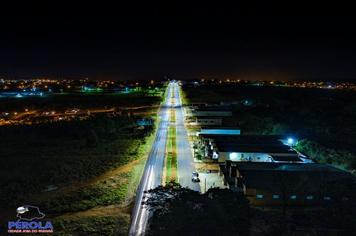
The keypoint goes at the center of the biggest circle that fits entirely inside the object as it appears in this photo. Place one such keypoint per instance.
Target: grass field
(106, 201)
(171, 157)
(94, 223)
(92, 164)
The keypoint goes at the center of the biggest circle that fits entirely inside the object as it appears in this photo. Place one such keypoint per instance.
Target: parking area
(209, 176)
(210, 180)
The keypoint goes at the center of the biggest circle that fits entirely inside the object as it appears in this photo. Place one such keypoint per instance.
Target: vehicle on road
(195, 177)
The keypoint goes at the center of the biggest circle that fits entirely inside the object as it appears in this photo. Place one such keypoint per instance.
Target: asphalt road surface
(152, 176)
(184, 154)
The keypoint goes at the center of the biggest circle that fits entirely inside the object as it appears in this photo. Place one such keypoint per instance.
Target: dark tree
(181, 211)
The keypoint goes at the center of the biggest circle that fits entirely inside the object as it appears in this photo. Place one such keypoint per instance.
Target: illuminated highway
(152, 176)
(184, 153)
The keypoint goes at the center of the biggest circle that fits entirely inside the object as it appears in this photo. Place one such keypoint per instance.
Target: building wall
(211, 113)
(262, 198)
(213, 121)
(244, 156)
(220, 131)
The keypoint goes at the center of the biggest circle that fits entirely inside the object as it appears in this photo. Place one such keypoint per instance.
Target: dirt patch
(207, 166)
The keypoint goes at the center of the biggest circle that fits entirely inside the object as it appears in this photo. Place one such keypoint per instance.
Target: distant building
(219, 131)
(144, 122)
(205, 115)
(268, 184)
(206, 121)
(254, 148)
(197, 105)
(19, 93)
(213, 111)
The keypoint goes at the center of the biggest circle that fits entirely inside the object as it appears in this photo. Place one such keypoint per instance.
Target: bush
(181, 211)
(321, 154)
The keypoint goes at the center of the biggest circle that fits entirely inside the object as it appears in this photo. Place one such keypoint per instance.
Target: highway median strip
(171, 166)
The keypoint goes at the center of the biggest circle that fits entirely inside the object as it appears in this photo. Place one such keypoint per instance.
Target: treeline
(82, 101)
(340, 158)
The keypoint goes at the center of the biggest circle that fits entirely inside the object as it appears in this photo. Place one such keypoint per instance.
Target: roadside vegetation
(93, 225)
(181, 211)
(74, 169)
(324, 120)
(183, 95)
(65, 152)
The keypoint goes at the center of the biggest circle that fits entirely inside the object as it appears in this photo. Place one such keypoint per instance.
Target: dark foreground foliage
(181, 211)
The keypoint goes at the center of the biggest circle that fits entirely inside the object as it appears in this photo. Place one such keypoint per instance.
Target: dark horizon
(182, 41)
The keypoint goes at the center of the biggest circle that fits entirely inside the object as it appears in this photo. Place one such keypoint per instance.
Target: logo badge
(29, 221)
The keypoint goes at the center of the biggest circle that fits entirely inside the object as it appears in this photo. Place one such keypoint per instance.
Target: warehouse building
(268, 184)
(253, 148)
(219, 131)
(212, 111)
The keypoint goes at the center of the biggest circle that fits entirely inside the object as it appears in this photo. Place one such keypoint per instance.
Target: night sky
(182, 41)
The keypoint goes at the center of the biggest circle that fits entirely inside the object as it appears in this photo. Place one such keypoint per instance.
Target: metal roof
(220, 131)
